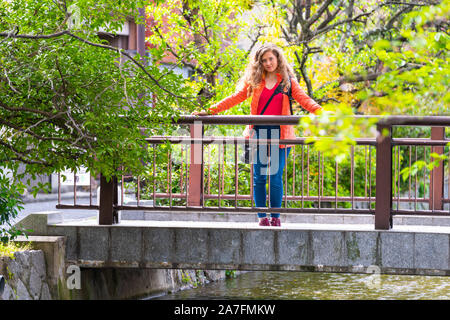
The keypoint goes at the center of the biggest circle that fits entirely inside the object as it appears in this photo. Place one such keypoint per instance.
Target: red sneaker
(275, 222)
(264, 222)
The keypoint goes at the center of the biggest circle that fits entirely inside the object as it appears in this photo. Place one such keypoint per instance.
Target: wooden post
(108, 200)
(383, 204)
(196, 166)
(437, 174)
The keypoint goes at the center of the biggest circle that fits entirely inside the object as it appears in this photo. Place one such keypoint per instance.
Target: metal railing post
(383, 204)
(437, 174)
(108, 214)
(195, 188)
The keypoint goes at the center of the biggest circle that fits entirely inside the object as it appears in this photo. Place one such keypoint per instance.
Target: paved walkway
(48, 203)
(338, 222)
(92, 221)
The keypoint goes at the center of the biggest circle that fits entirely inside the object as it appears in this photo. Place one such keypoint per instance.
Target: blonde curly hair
(254, 72)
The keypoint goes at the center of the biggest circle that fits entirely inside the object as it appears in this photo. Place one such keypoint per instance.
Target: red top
(286, 131)
(275, 106)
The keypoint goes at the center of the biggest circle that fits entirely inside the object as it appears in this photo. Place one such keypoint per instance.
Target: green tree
(69, 99)
(392, 55)
(416, 59)
(10, 205)
(201, 36)
(376, 45)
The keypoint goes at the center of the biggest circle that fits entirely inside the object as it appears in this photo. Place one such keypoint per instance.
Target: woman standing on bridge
(269, 80)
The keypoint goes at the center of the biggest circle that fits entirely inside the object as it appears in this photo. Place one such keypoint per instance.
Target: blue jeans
(262, 168)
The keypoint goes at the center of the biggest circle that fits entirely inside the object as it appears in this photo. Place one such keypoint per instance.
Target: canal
(319, 286)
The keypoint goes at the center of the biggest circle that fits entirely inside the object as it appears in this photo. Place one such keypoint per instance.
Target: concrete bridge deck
(243, 245)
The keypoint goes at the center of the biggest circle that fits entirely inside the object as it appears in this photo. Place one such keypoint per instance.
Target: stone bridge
(315, 242)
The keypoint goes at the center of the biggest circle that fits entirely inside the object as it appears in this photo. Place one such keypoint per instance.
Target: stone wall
(25, 276)
(42, 273)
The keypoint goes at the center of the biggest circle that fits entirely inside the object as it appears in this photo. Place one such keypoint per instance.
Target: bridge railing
(200, 172)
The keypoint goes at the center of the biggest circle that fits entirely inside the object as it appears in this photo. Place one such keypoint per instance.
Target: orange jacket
(287, 131)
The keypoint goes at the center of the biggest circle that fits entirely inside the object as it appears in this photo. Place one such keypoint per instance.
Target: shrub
(10, 205)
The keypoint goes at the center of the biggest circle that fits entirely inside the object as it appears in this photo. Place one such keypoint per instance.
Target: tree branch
(28, 131)
(172, 51)
(32, 36)
(139, 65)
(412, 4)
(303, 70)
(21, 156)
(349, 12)
(331, 16)
(318, 13)
(44, 113)
(330, 27)
(118, 50)
(370, 76)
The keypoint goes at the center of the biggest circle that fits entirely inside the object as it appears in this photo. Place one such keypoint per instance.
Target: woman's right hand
(200, 113)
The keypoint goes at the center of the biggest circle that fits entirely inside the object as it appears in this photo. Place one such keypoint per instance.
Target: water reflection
(320, 286)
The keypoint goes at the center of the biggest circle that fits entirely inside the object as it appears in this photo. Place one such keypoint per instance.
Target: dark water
(320, 286)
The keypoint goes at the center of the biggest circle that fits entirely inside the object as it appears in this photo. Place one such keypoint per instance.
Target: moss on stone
(8, 249)
(353, 248)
